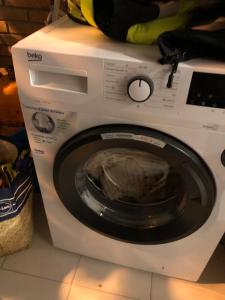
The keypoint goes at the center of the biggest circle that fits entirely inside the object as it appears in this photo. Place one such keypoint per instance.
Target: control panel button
(140, 88)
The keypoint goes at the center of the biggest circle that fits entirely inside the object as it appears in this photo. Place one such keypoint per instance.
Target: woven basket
(16, 233)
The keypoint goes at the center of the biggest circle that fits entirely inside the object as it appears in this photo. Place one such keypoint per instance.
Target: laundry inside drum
(130, 187)
(130, 175)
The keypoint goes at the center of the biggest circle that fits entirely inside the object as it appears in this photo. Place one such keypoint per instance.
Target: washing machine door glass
(130, 187)
(134, 184)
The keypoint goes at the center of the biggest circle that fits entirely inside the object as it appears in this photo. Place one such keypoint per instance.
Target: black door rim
(76, 151)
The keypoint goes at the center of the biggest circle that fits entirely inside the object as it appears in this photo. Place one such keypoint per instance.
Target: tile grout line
(92, 289)
(71, 285)
(110, 293)
(152, 274)
(95, 289)
(3, 261)
(34, 276)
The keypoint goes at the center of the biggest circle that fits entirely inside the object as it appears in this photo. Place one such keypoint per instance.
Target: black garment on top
(115, 17)
(181, 45)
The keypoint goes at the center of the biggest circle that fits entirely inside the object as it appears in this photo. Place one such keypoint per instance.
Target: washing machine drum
(134, 184)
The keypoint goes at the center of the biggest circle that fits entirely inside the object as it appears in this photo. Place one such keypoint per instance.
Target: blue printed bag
(16, 175)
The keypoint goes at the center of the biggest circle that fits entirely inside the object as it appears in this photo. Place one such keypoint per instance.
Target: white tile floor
(43, 272)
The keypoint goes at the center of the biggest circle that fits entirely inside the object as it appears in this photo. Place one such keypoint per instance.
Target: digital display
(207, 90)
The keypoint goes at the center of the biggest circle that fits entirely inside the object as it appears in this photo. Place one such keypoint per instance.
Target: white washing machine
(130, 171)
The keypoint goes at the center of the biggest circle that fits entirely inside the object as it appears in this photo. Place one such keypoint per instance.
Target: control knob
(140, 88)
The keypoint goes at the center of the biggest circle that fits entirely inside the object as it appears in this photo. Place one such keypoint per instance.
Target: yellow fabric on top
(74, 9)
(88, 11)
(147, 33)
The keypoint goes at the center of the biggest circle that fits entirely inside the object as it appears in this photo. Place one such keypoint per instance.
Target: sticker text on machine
(131, 136)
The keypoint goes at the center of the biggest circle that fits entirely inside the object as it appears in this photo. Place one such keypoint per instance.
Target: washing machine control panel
(139, 83)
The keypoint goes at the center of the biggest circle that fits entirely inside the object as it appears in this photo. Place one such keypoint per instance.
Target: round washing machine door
(134, 184)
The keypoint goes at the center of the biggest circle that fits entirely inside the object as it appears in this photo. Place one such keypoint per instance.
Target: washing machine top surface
(66, 36)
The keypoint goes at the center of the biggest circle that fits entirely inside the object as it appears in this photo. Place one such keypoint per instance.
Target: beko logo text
(33, 56)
